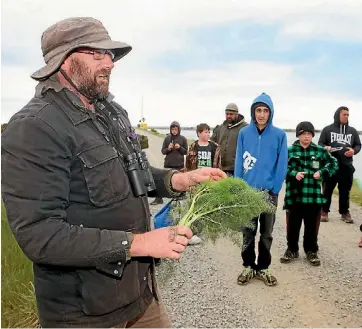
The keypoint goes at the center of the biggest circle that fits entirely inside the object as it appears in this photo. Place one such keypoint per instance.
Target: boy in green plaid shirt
(308, 164)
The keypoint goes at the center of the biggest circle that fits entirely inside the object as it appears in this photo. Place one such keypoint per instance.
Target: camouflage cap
(232, 107)
(60, 39)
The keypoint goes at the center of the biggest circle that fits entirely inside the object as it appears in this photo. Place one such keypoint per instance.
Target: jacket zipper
(305, 168)
(259, 141)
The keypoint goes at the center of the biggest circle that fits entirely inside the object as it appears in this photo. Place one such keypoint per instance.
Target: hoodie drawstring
(344, 130)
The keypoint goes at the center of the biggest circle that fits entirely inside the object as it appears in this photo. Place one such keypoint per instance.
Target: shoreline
(287, 130)
(356, 192)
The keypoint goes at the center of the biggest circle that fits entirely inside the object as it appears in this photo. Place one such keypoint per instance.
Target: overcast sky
(191, 58)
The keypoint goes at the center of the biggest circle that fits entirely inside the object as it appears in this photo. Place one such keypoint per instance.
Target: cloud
(201, 95)
(148, 24)
(332, 19)
(182, 75)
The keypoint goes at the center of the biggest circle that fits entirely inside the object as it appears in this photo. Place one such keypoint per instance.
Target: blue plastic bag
(163, 218)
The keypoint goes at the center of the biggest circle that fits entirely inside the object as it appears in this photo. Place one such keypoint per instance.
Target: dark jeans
(175, 168)
(229, 172)
(155, 316)
(248, 249)
(311, 214)
(344, 179)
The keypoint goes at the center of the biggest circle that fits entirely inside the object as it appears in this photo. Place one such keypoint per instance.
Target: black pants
(229, 172)
(175, 168)
(344, 179)
(248, 255)
(311, 214)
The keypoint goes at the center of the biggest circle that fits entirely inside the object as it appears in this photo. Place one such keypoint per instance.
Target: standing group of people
(75, 184)
(258, 153)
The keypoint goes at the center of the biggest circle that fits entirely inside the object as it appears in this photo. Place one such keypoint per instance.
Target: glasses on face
(98, 54)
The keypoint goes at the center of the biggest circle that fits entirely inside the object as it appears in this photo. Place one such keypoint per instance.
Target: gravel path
(201, 290)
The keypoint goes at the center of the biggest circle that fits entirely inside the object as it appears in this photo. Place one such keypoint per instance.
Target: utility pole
(142, 117)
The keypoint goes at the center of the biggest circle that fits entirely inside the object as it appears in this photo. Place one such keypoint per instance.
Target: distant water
(357, 161)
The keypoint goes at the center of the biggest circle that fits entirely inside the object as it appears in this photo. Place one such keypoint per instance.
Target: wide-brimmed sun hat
(62, 38)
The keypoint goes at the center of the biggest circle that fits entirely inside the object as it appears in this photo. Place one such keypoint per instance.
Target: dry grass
(18, 303)
(356, 194)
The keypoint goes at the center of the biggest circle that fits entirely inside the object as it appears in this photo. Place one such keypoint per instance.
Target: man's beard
(87, 84)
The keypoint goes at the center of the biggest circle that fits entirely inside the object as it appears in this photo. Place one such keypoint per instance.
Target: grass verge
(18, 303)
(156, 133)
(356, 193)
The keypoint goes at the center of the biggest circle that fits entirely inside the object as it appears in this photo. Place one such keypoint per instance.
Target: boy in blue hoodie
(262, 161)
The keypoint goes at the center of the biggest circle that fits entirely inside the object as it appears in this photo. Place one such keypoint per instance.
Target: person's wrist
(173, 181)
(138, 246)
(170, 183)
(128, 247)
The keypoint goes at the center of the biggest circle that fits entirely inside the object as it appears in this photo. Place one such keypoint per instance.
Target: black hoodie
(174, 158)
(342, 136)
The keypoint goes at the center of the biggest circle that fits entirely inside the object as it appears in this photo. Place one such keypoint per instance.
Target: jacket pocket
(105, 177)
(102, 294)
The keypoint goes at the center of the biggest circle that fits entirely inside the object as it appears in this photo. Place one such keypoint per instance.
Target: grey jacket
(69, 204)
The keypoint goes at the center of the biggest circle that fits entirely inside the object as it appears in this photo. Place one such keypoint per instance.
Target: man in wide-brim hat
(76, 194)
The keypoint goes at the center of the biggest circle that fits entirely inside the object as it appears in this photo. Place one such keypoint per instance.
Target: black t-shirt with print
(205, 155)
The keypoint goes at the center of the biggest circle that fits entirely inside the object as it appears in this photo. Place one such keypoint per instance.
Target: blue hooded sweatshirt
(262, 159)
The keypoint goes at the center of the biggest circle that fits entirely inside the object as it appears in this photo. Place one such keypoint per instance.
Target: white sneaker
(195, 240)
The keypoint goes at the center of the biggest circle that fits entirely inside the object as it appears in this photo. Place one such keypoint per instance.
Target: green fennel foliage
(221, 208)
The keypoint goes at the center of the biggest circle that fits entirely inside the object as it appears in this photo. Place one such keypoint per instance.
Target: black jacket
(226, 135)
(174, 158)
(69, 204)
(340, 136)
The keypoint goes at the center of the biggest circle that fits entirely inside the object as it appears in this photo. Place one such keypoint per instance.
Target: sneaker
(265, 275)
(324, 216)
(246, 275)
(313, 258)
(289, 256)
(156, 201)
(195, 240)
(347, 218)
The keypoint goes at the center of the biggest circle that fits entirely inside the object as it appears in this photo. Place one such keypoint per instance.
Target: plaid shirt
(310, 160)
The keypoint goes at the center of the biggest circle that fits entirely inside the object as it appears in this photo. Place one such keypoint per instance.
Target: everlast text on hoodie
(262, 156)
(340, 137)
(174, 158)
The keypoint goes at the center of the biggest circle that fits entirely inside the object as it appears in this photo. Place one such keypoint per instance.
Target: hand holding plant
(184, 181)
(221, 208)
